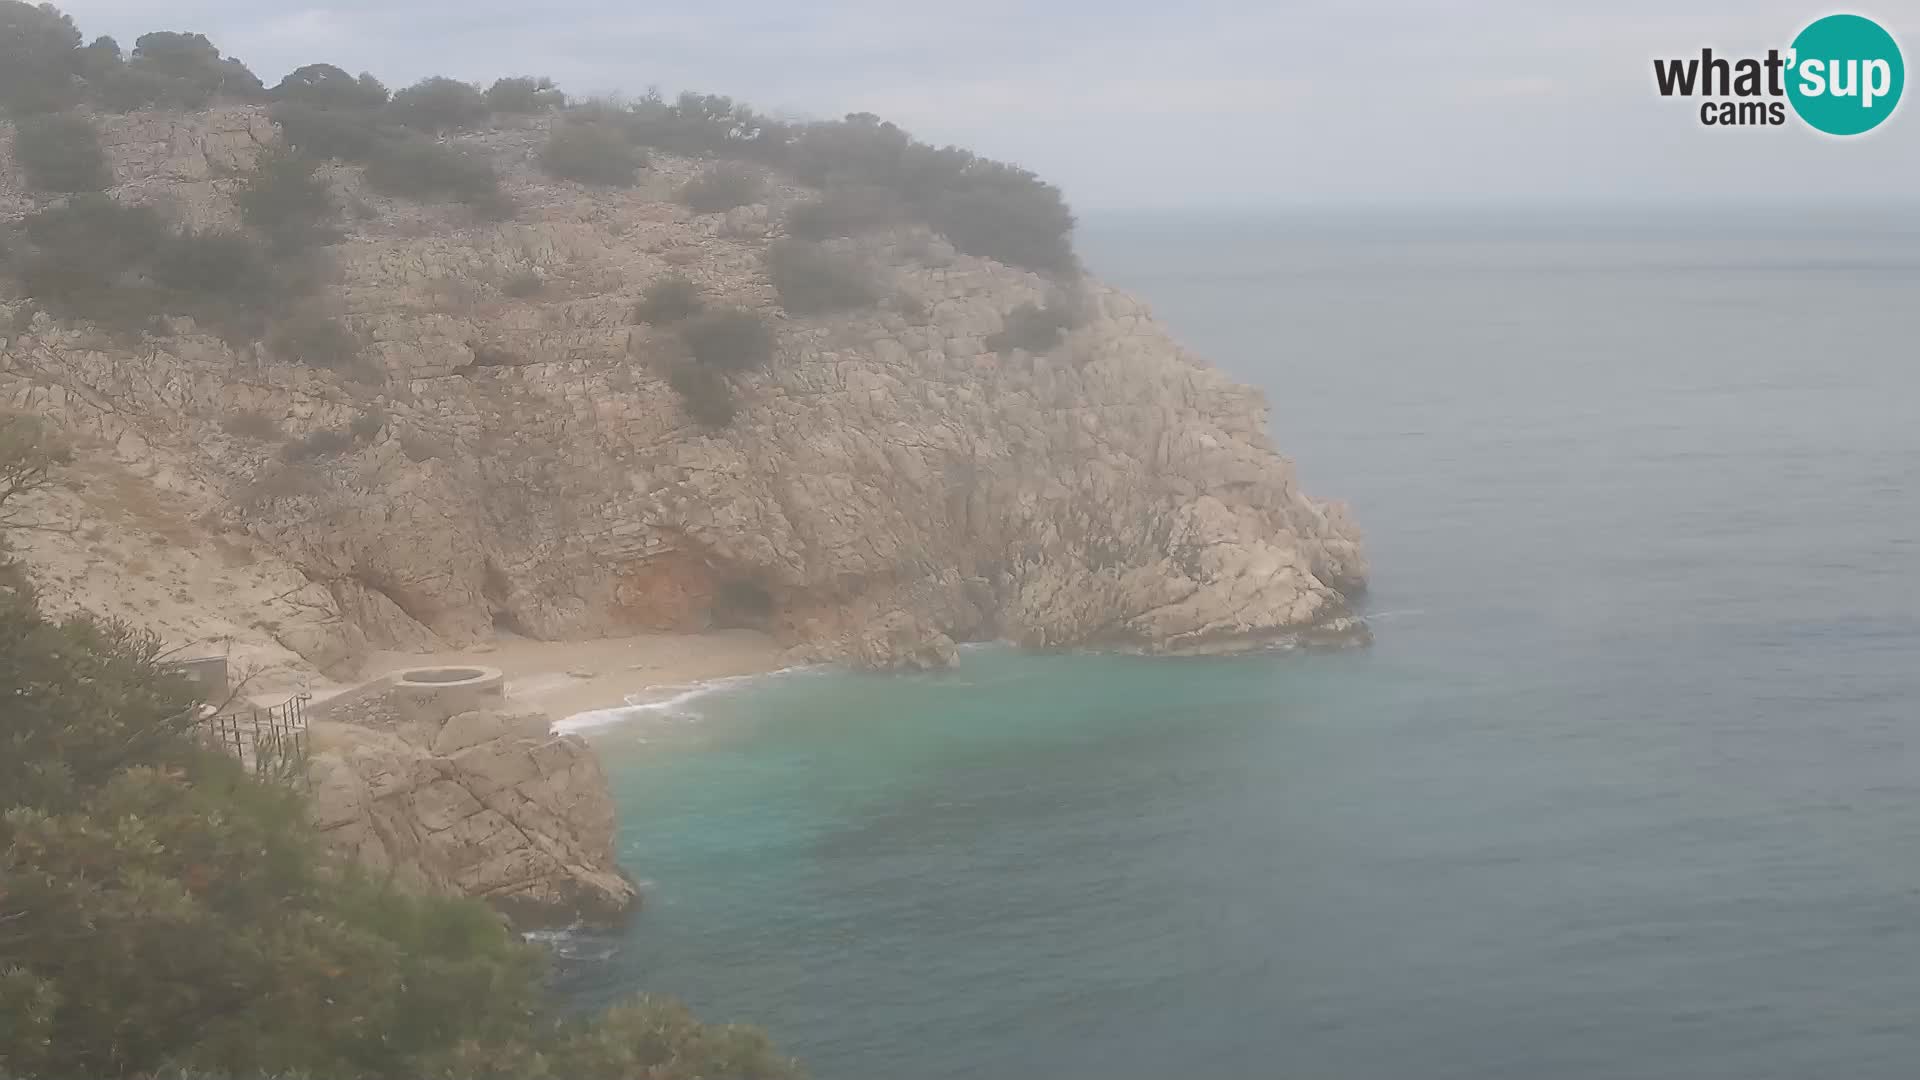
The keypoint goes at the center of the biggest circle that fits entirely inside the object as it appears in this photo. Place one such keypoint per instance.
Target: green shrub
(591, 153)
(525, 94)
(99, 60)
(668, 300)
(193, 70)
(1020, 222)
(984, 207)
(166, 913)
(32, 454)
(491, 354)
(252, 424)
(165, 909)
(123, 88)
(1033, 328)
(706, 125)
(524, 285)
(320, 131)
(659, 1039)
(77, 259)
(329, 87)
(812, 279)
(216, 262)
(440, 104)
(729, 339)
(286, 201)
(846, 211)
(315, 339)
(166, 70)
(317, 445)
(705, 394)
(39, 50)
(428, 171)
(721, 188)
(420, 447)
(61, 152)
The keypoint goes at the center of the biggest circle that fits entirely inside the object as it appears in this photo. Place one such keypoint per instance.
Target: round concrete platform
(453, 689)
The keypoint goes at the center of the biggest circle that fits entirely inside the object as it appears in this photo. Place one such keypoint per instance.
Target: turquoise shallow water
(1627, 787)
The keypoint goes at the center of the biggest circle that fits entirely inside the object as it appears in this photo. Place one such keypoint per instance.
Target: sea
(1628, 786)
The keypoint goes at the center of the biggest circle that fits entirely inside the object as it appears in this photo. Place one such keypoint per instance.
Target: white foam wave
(574, 943)
(675, 704)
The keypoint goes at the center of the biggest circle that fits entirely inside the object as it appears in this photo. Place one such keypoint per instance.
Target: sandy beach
(561, 678)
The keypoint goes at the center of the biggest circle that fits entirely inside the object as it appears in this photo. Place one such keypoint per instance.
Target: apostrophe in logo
(1842, 75)
(1846, 75)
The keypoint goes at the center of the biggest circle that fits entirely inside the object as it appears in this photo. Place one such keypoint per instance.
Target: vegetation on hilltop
(592, 153)
(125, 267)
(984, 207)
(162, 909)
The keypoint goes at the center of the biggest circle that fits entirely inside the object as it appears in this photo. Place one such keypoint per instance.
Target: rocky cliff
(889, 485)
(475, 803)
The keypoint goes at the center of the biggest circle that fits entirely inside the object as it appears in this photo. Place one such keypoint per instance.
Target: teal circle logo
(1846, 75)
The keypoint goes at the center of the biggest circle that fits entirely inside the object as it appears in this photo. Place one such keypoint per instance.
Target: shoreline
(564, 678)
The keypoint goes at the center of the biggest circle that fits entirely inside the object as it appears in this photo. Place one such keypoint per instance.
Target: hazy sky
(1169, 104)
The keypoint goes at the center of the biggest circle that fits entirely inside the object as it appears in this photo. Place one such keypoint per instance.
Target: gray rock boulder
(482, 804)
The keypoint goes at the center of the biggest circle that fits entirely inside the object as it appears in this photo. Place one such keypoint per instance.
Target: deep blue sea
(1629, 785)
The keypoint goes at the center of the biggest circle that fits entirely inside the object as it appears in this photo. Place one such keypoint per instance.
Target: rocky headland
(509, 455)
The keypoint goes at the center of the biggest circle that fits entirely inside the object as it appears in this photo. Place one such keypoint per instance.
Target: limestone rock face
(479, 804)
(889, 485)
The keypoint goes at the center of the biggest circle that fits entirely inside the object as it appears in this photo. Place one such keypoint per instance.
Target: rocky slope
(890, 484)
(478, 803)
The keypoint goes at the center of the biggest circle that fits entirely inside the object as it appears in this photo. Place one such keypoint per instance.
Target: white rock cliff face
(479, 804)
(890, 485)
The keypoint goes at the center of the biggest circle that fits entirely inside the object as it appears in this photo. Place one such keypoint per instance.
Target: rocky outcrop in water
(890, 485)
(480, 803)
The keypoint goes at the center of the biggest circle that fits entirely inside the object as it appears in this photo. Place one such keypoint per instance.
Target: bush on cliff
(984, 207)
(287, 202)
(705, 394)
(315, 445)
(254, 425)
(60, 152)
(525, 94)
(316, 339)
(721, 188)
(729, 339)
(328, 87)
(122, 267)
(668, 300)
(1033, 328)
(592, 153)
(430, 171)
(83, 260)
(331, 131)
(707, 125)
(398, 162)
(438, 104)
(175, 71)
(39, 49)
(847, 211)
(813, 279)
(161, 909)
